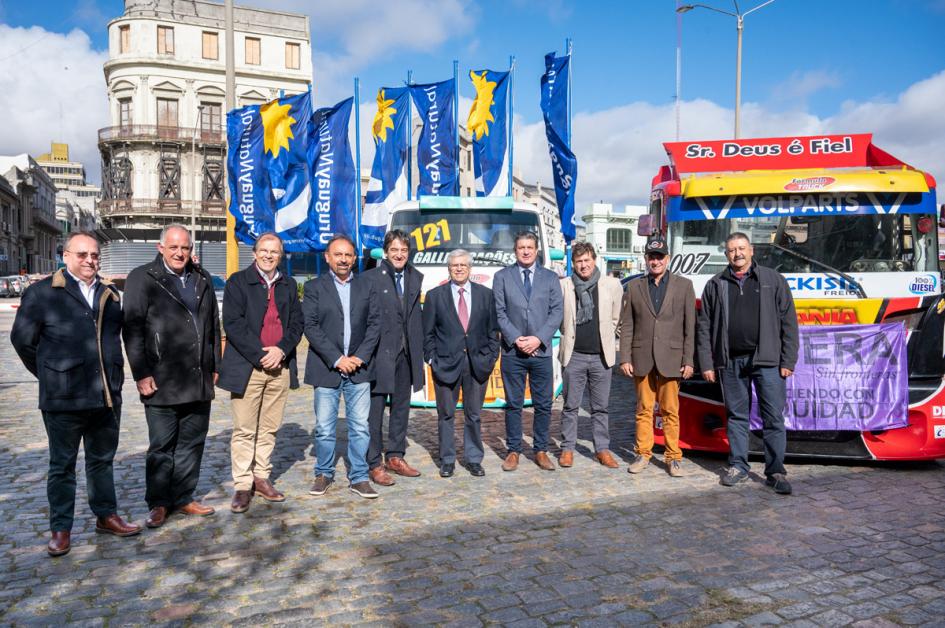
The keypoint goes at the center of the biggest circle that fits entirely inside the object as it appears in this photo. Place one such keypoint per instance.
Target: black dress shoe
(446, 470)
(476, 469)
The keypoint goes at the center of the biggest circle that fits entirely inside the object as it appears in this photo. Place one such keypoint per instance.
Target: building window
(619, 240)
(165, 36)
(124, 38)
(211, 117)
(211, 46)
(166, 112)
(124, 112)
(292, 56)
(252, 51)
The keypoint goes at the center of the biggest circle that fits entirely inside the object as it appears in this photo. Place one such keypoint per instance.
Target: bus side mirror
(645, 226)
(556, 255)
(377, 254)
(941, 216)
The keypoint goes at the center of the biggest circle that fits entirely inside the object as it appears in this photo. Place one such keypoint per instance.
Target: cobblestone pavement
(856, 544)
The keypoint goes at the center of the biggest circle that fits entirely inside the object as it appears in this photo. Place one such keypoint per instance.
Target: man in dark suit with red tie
(461, 343)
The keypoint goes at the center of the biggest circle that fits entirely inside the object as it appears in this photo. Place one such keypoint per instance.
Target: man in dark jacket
(342, 327)
(172, 336)
(747, 334)
(398, 367)
(67, 332)
(262, 319)
(461, 343)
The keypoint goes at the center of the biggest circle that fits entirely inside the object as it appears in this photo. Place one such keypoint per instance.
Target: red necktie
(463, 310)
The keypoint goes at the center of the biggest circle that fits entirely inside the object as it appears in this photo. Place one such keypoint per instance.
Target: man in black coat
(398, 367)
(262, 319)
(172, 336)
(342, 326)
(461, 343)
(67, 332)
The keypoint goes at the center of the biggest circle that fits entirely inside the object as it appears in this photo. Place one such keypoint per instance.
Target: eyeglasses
(84, 255)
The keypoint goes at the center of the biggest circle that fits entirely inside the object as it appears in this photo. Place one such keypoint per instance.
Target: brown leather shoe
(196, 509)
(268, 492)
(399, 466)
(566, 459)
(380, 476)
(241, 499)
(60, 543)
(156, 517)
(511, 462)
(543, 460)
(607, 459)
(113, 524)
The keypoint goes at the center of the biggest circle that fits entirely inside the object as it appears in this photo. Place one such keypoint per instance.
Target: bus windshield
(804, 244)
(488, 236)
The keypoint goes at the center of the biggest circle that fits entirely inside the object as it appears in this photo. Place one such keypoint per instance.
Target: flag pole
(232, 249)
(511, 109)
(568, 48)
(456, 119)
(357, 167)
(409, 138)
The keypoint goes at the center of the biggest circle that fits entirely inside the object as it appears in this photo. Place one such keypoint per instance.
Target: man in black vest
(172, 336)
(67, 332)
(398, 367)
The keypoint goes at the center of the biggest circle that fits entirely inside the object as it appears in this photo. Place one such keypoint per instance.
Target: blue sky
(808, 66)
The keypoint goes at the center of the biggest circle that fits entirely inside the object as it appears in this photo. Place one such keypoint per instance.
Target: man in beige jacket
(657, 338)
(588, 350)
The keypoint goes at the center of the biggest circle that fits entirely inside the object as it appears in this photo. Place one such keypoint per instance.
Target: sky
(808, 67)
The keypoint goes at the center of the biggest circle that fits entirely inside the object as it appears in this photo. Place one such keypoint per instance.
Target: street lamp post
(740, 17)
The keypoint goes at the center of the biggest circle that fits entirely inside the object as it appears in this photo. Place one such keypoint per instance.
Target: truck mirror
(645, 225)
(377, 254)
(941, 216)
(556, 255)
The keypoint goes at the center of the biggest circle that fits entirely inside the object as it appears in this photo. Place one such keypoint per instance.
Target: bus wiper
(850, 280)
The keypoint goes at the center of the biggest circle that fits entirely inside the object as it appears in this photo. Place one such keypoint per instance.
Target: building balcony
(160, 207)
(154, 133)
(46, 220)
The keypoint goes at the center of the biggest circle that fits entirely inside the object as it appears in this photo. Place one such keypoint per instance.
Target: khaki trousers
(665, 391)
(257, 415)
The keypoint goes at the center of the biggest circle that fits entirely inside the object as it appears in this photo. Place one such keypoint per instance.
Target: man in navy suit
(461, 343)
(529, 307)
(342, 327)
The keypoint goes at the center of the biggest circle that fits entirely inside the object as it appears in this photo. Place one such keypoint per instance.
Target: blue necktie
(528, 283)
(400, 285)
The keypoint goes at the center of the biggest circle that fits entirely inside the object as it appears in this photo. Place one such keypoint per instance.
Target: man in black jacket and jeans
(172, 337)
(67, 332)
(747, 333)
(262, 318)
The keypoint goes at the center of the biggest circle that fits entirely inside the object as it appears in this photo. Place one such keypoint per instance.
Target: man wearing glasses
(172, 336)
(67, 332)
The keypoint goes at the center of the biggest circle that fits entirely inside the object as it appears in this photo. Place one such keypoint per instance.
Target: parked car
(218, 284)
(6, 290)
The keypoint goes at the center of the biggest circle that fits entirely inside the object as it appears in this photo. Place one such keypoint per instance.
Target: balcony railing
(151, 132)
(159, 207)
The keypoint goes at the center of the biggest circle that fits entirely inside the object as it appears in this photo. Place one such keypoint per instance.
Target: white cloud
(800, 85)
(51, 89)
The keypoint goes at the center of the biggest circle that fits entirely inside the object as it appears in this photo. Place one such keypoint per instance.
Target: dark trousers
(540, 379)
(98, 431)
(737, 378)
(177, 435)
(397, 422)
(447, 396)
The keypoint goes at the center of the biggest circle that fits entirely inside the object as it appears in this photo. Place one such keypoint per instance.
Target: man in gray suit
(529, 308)
(657, 340)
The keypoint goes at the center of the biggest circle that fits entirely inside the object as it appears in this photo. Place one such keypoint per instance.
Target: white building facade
(613, 232)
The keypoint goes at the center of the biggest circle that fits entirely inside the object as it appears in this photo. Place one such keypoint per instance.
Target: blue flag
(333, 177)
(269, 173)
(388, 184)
(488, 124)
(436, 149)
(554, 109)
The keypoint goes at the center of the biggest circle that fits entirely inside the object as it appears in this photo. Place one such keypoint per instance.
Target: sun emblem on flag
(277, 126)
(383, 119)
(480, 115)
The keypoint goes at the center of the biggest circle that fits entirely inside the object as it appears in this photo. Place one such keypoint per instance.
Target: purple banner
(848, 377)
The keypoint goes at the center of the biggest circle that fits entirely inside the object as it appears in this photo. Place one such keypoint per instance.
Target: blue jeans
(540, 374)
(737, 378)
(357, 406)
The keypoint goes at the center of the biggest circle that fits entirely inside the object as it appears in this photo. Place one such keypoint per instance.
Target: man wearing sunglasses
(67, 332)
